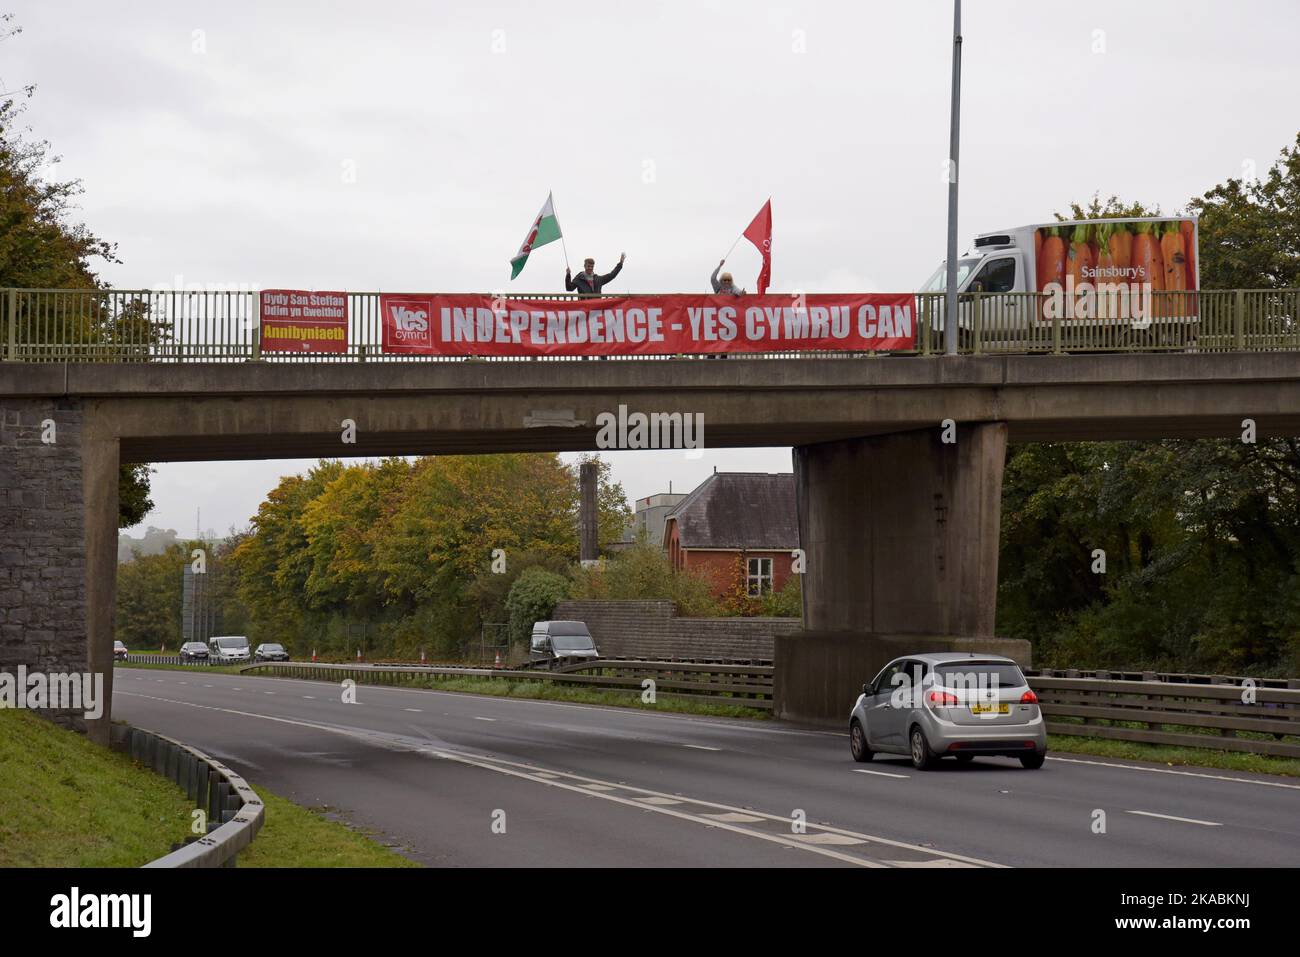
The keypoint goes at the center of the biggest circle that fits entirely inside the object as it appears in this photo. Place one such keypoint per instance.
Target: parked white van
(229, 649)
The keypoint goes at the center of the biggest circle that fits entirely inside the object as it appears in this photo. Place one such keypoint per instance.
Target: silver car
(933, 705)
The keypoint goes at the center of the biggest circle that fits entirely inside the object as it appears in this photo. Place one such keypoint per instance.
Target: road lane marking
(655, 800)
(416, 710)
(935, 863)
(529, 772)
(827, 838)
(268, 692)
(883, 774)
(733, 817)
(481, 718)
(1188, 774)
(1170, 817)
(701, 747)
(310, 697)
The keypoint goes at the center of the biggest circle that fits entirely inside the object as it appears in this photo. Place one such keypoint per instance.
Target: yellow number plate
(990, 709)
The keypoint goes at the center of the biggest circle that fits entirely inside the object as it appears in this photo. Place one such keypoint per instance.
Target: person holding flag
(759, 232)
(587, 283)
(545, 229)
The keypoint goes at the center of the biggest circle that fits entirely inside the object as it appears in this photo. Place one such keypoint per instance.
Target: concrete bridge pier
(900, 534)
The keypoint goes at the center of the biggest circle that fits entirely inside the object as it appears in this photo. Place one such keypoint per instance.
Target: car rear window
(978, 674)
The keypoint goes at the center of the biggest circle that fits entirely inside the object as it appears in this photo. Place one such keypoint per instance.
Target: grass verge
(65, 802)
(294, 836)
(1172, 756)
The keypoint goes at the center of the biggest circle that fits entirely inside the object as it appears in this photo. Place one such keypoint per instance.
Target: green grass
(1173, 756)
(65, 802)
(293, 836)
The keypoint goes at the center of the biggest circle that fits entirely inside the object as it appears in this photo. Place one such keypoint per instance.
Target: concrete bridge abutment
(58, 547)
(900, 534)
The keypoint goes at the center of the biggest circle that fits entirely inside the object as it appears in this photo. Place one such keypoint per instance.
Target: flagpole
(563, 245)
(733, 246)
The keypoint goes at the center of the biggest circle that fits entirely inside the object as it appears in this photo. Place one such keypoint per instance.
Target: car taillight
(1029, 698)
(942, 699)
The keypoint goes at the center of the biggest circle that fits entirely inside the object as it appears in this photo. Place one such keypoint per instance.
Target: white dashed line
(1170, 817)
(415, 710)
(883, 774)
(1188, 774)
(701, 747)
(478, 718)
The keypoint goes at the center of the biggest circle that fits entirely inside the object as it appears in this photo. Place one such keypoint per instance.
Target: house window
(758, 578)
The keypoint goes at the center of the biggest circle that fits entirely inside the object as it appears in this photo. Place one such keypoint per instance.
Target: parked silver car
(933, 705)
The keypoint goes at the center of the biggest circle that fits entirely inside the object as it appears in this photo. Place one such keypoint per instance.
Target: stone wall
(652, 630)
(42, 537)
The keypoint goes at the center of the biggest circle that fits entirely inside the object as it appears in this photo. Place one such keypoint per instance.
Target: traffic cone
(313, 655)
(358, 654)
(498, 662)
(421, 656)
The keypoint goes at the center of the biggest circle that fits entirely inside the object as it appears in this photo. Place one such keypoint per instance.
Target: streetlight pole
(950, 299)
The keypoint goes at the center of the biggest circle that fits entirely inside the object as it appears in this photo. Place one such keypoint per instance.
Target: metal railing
(233, 811)
(119, 325)
(745, 686)
(1222, 717)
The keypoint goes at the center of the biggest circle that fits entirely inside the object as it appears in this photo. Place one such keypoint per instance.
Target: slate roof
(750, 510)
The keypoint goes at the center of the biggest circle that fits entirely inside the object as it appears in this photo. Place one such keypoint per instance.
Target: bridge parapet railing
(217, 325)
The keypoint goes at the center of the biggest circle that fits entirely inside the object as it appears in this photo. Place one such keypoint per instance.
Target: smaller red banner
(301, 320)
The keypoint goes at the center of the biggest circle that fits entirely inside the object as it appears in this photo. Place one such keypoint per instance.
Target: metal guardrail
(234, 811)
(138, 659)
(142, 325)
(1162, 712)
(747, 686)
(1172, 677)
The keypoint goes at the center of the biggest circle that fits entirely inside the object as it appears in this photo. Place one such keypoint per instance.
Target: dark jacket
(592, 286)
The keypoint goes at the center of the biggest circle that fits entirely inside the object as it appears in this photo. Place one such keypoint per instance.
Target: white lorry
(1089, 272)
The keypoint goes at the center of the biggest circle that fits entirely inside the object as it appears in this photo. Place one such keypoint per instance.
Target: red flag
(759, 233)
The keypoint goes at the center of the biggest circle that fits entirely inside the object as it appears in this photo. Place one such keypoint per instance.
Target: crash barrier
(234, 811)
(1172, 677)
(165, 660)
(1229, 716)
(743, 685)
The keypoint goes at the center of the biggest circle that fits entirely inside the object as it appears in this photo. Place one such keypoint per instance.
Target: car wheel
(965, 758)
(858, 742)
(1033, 760)
(922, 757)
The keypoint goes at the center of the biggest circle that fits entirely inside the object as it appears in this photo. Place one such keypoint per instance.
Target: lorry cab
(552, 640)
(996, 264)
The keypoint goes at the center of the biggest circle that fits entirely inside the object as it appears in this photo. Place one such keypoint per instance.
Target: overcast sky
(407, 146)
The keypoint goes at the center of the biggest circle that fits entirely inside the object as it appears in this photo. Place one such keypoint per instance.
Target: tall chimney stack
(588, 539)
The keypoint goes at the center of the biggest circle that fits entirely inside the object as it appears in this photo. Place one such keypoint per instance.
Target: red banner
(299, 320)
(473, 324)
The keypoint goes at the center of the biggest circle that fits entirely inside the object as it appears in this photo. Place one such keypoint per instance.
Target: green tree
(43, 247)
(1250, 228)
(533, 597)
(149, 598)
(642, 572)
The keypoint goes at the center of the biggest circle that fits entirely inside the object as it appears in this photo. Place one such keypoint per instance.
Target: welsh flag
(545, 229)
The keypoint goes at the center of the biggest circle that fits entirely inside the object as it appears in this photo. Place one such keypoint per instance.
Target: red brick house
(736, 524)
